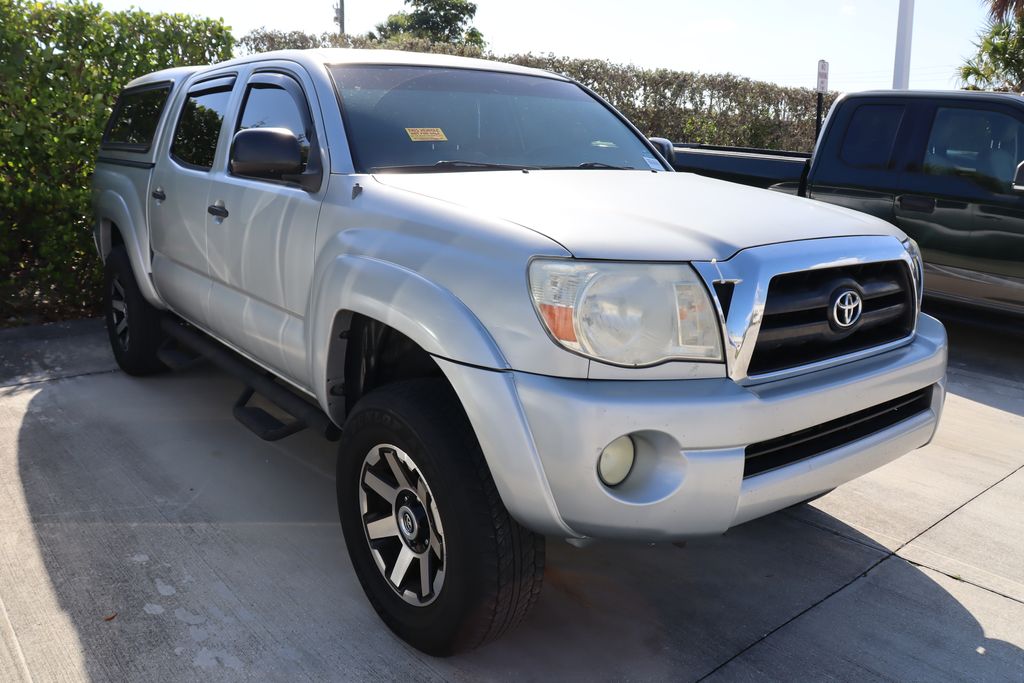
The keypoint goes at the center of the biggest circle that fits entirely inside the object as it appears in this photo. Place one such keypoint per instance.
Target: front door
(261, 248)
(958, 202)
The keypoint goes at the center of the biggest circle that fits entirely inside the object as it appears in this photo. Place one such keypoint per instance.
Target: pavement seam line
(799, 614)
(44, 380)
(962, 580)
(8, 629)
(889, 554)
(958, 508)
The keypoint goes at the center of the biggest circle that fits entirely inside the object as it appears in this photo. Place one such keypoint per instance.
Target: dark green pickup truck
(944, 167)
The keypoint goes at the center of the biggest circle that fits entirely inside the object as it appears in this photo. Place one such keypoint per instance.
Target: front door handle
(913, 202)
(218, 211)
(158, 194)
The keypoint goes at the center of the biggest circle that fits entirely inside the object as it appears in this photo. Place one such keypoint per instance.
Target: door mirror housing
(665, 148)
(1018, 178)
(268, 153)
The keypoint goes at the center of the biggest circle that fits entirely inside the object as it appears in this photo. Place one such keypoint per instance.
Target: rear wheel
(133, 325)
(440, 559)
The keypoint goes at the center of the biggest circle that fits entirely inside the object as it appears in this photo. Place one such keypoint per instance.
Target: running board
(306, 415)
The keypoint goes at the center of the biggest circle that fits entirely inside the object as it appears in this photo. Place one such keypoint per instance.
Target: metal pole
(904, 34)
(339, 17)
(817, 118)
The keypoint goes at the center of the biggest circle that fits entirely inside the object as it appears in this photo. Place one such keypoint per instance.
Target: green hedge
(684, 106)
(61, 67)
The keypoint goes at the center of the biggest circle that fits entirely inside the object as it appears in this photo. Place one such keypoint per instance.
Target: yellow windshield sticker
(426, 134)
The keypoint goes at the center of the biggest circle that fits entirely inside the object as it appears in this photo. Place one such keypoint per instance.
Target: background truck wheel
(132, 323)
(437, 553)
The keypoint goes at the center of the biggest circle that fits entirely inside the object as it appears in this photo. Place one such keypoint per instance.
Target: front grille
(796, 330)
(807, 443)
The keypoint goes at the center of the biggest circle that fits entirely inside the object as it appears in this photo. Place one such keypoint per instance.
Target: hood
(635, 215)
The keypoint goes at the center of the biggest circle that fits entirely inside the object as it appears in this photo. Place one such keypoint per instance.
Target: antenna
(339, 17)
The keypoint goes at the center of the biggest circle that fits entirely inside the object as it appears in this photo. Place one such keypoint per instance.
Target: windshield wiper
(590, 164)
(450, 164)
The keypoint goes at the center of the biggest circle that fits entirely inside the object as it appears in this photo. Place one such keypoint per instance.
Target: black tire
(133, 325)
(493, 567)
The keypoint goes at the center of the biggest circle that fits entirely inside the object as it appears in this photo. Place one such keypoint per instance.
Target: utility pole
(904, 34)
(339, 16)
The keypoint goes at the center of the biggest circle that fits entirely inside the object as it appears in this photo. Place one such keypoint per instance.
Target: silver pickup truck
(516, 318)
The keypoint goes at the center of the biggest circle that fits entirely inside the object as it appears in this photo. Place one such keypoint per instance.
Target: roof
(335, 56)
(955, 94)
(174, 74)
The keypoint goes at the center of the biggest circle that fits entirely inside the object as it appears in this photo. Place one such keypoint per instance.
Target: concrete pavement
(145, 535)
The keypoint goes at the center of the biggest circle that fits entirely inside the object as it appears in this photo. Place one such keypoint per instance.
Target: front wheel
(440, 559)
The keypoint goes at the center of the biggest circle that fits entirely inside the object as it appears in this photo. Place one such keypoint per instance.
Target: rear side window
(871, 135)
(195, 138)
(136, 115)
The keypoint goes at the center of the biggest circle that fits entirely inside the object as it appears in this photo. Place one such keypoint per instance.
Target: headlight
(918, 269)
(626, 313)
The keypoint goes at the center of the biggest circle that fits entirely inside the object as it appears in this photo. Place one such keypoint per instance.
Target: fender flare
(110, 207)
(430, 315)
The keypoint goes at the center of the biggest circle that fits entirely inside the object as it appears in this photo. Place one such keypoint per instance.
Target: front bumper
(542, 437)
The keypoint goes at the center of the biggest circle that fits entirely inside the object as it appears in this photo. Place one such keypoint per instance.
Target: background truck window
(871, 135)
(984, 146)
(195, 138)
(136, 115)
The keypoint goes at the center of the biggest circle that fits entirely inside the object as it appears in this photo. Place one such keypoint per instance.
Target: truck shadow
(155, 539)
(985, 363)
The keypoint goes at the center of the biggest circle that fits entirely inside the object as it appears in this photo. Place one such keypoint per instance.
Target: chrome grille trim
(751, 270)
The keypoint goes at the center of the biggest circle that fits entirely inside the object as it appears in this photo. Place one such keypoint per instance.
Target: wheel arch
(115, 225)
(390, 297)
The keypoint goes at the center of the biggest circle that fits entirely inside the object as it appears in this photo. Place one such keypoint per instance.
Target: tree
(439, 21)
(999, 61)
(1003, 10)
(267, 40)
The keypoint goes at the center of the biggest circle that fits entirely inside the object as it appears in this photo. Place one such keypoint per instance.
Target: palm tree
(1001, 10)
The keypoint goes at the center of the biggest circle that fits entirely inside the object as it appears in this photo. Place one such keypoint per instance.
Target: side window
(272, 106)
(983, 146)
(133, 123)
(195, 138)
(871, 134)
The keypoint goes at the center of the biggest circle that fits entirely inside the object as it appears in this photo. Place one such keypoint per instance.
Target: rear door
(858, 163)
(957, 200)
(178, 197)
(261, 252)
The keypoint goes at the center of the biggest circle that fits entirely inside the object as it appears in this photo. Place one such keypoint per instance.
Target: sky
(779, 41)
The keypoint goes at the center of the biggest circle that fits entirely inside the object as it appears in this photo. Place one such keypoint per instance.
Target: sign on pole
(822, 76)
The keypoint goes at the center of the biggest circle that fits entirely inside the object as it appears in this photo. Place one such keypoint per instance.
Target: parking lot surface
(146, 535)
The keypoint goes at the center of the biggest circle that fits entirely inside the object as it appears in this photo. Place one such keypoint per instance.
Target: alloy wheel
(119, 312)
(402, 524)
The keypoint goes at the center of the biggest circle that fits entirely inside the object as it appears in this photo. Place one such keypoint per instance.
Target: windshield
(421, 119)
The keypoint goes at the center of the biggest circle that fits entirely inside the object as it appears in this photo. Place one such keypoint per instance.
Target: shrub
(61, 67)
(684, 106)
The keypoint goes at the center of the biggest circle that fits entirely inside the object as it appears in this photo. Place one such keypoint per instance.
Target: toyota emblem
(847, 309)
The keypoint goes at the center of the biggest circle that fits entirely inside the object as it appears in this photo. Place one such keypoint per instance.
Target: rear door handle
(158, 194)
(912, 202)
(218, 211)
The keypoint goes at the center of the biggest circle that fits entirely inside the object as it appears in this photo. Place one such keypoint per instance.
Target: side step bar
(306, 415)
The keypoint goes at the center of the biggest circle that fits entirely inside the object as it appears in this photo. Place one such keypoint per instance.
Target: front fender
(438, 321)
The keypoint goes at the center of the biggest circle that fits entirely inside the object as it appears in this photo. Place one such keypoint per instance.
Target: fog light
(616, 461)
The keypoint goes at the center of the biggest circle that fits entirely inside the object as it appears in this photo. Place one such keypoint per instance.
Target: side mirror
(666, 149)
(1018, 178)
(270, 153)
